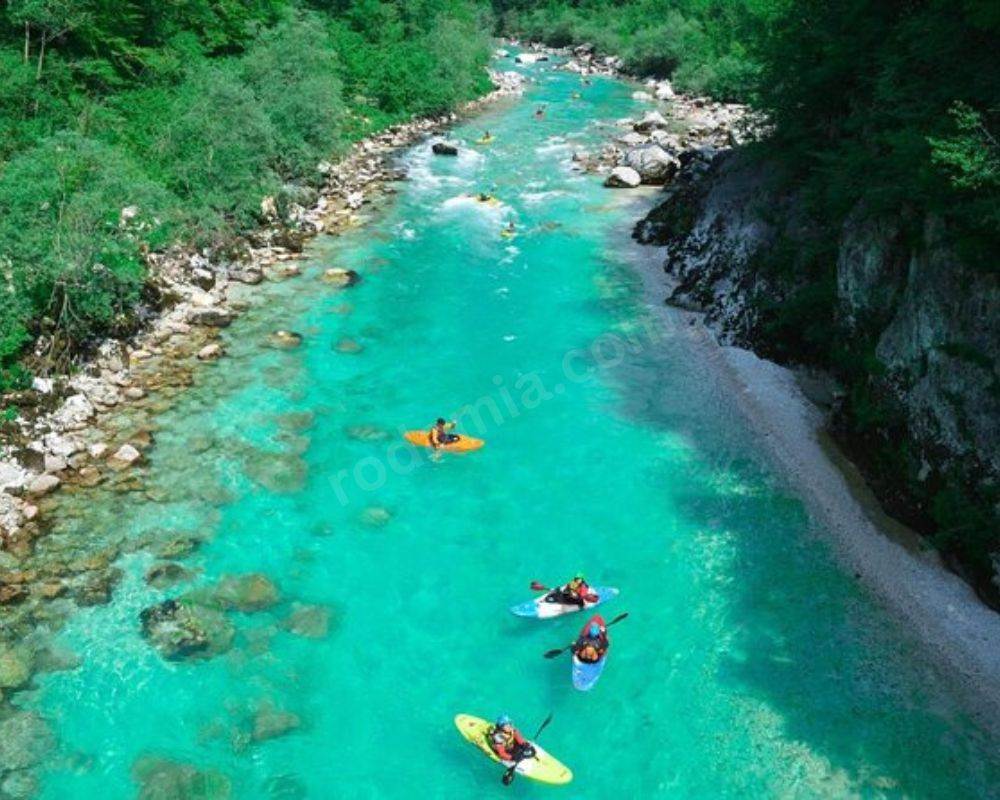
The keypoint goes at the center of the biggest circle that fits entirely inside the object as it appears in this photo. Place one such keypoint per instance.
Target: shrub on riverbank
(186, 115)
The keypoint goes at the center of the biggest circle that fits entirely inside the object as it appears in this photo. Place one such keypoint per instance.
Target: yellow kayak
(508, 234)
(463, 444)
(541, 767)
(484, 140)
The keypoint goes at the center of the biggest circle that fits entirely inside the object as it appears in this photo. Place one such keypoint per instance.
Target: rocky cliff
(885, 305)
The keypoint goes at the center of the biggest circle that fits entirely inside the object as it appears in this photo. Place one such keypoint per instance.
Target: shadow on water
(822, 677)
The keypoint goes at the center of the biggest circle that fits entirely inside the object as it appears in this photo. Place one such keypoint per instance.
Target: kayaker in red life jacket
(577, 591)
(507, 741)
(593, 644)
(440, 434)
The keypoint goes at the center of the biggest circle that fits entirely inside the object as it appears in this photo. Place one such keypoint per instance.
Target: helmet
(594, 630)
(579, 576)
(502, 720)
(440, 421)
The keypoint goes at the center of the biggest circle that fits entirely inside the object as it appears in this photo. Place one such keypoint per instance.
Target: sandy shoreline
(959, 634)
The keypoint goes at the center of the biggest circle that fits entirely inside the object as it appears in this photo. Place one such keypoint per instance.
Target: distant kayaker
(441, 435)
(592, 644)
(539, 112)
(578, 592)
(507, 741)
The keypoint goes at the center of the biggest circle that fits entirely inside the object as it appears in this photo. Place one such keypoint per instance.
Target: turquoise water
(750, 665)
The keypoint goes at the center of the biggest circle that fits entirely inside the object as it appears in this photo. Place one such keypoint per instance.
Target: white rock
(43, 385)
(664, 91)
(42, 485)
(97, 450)
(643, 96)
(210, 352)
(13, 475)
(74, 411)
(654, 164)
(135, 393)
(623, 178)
(651, 121)
(269, 208)
(632, 139)
(55, 463)
(125, 456)
(60, 445)
(111, 355)
(203, 299)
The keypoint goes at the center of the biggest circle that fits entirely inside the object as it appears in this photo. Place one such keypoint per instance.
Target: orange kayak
(463, 444)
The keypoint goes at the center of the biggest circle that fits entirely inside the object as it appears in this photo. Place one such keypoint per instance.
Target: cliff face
(912, 333)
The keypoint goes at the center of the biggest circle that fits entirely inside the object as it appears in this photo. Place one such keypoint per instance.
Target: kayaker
(511, 230)
(507, 741)
(440, 434)
(540, 112)
(577, 591)
(592, 644)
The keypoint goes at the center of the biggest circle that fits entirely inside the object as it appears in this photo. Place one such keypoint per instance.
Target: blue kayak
(585, 675)
(547, 606)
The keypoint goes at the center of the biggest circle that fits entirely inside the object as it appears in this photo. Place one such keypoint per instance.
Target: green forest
(192, 111)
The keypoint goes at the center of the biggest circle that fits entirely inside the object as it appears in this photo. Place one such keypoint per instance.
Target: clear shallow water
(750, 665)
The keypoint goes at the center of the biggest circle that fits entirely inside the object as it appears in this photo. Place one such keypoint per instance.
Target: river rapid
(750, 664)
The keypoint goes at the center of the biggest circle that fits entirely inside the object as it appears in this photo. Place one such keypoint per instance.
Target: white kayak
(547, 606)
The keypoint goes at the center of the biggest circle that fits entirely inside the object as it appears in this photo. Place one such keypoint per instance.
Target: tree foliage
(185, 115)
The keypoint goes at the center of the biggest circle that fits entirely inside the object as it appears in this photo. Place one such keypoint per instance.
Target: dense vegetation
(186, 114)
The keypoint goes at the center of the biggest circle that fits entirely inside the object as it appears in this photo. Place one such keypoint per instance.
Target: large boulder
(181, 629)
(270, 722)
(654, 164)
(623, 178)
(444, 149)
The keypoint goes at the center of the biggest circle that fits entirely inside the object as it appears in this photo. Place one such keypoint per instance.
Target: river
(750, 664)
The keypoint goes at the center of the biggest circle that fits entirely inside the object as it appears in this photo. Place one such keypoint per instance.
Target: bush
(71, 254)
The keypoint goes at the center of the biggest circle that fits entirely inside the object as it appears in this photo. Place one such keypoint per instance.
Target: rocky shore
(94, 428)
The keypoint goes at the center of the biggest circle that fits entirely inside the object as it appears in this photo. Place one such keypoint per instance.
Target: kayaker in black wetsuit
(577, 592)
(440, 434)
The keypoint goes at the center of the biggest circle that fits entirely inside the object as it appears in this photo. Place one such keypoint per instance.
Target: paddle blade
(508, 777)
(554, 653)
(542, 727)
(619, 618)
(537, 587)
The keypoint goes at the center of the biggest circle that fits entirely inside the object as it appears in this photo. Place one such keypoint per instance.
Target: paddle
(508, 776)
(561, 650)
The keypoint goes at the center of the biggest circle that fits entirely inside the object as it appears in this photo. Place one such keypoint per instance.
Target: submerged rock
(161, 779)
(25, 740)
(19, 785)
(16, 663)
(366, 433)
(166, 574)
(251, 592)
(285, 787)
(308, 621)
(181, 629)
(376, 516)
(277, 472)
(340, 277)
(284, 340)
(348, 346)
(270, 722)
